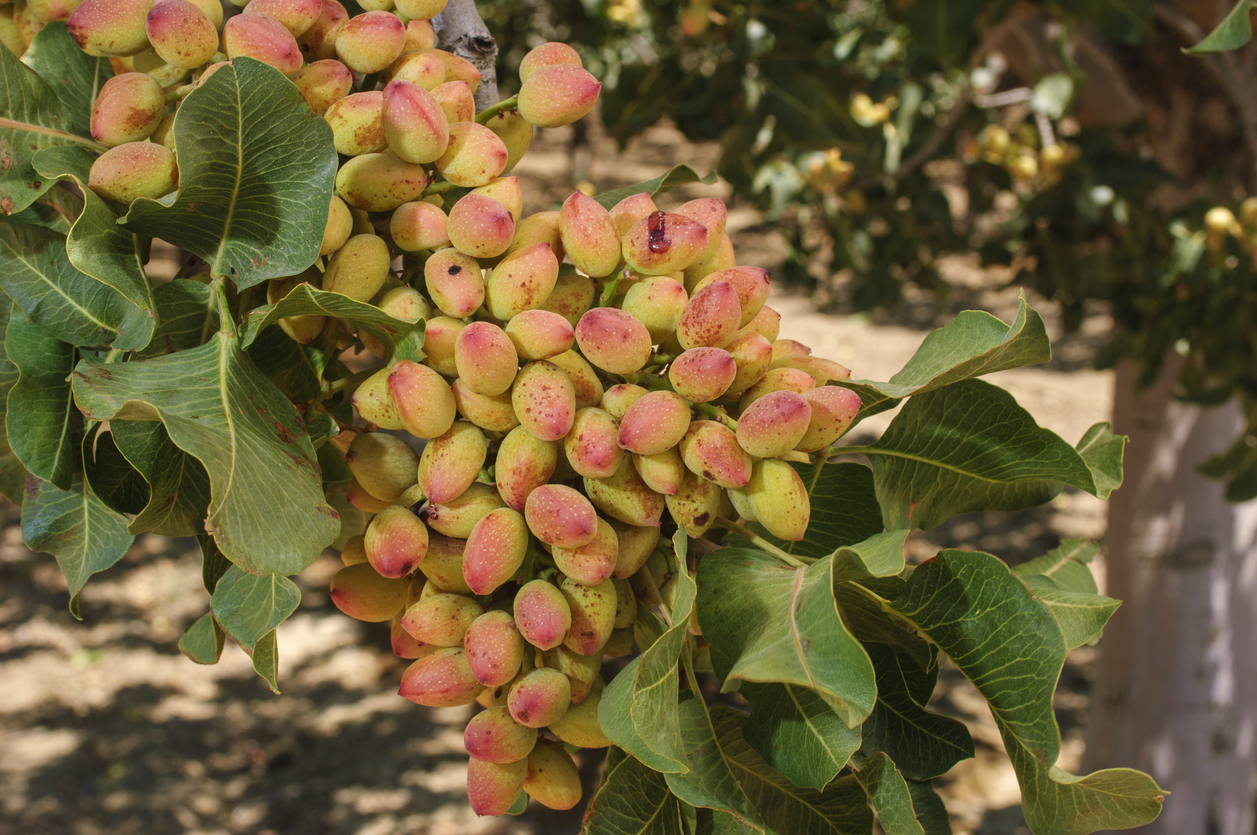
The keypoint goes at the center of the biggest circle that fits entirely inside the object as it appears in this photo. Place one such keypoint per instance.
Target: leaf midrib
(56, 289)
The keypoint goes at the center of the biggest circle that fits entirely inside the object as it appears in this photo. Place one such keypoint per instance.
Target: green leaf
(213, 564)
(75, 527)
(41, 421)
(1102, 452)
(12, 471)
(203, 641)
(1080, 615)
(404, 340)
(1052, 94)
(972, 344)
(75, 308)
(179, 491)
(256, 167)
(186, 317)
(929, 808)
(110, 475)
(925, 744)
(56, 208)
(249, 607)
(286, 364)
(76, 76)
(968, 447)
(889, 796)
(267, 512)
(97, 246)
(1009, 646)
(520, 804)
(710, 782)
(677, 176)
(265, 657)
(783, 806)
(881, 555)
(767, 622)
(31, 118)
(1235, 30)
(1065, 566)
(638, 711)
(632, 800)
(797, 733)
(844, 509)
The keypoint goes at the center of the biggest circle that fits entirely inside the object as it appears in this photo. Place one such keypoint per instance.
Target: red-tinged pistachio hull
(540, 697)
(451, 462)
(774, 424)
(493, 736)
(767, 323)
(711, 317)
(557, 95)
(485, 358)
(359, 497)
(544, 400)
(134, 170)
(419, 226)
(374, 403)
(419, 34)
(496, 548)
(440, 335)
(128, 108)
(589, 236)
(441, 619)
(696, 505)
(585, 382)
(820, 369)
(379, 182)
(777, 379)
(712, 214)
(480, 226)
(423, 69)
(540, 334)
(297, 16)
(560, 516)
(475, 156)
(630, 210)
(750, 283)
(395, 541)
(357, 127)
(581, 671)
(613, 340)
(110, 28)
(591, 446)
(370, 42)
(385, 465)
(592, 563)
(495, 649)
(414, 123)
(440, 679)
(522, 281)
(263, 38)
(505, 190)
(181, 34)
(524, 463)
(663, 243)
(553, 780)
(324, 83)
(358, 591)
(404, 644)
(542, 614)
(423, 401)
(539, 227)
(663, 472)
(717, 259)
(443, 565)
(753, 354)
(318, 43)
(702, 374)
(617, 399)
(546, 55)
(656, 422)
(833, 410)
(711, 450)
(421, 9)
(626, 497)
(493, 788)
(453, 279)
(457, 103)
(458, 517)
(656, 302)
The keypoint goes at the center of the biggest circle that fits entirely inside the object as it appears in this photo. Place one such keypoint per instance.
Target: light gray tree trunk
(1176, 693)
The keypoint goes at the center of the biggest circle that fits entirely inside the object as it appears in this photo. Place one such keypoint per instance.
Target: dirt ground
(106, 728)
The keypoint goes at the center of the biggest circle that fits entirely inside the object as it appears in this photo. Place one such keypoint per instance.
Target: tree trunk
(1176, 693)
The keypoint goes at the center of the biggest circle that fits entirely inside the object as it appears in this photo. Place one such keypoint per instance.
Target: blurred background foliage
(1072, 142)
